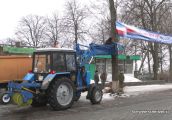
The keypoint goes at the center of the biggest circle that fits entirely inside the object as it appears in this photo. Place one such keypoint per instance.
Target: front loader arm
(85, 55)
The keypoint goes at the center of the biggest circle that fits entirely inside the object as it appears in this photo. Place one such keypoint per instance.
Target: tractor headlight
(40, 78)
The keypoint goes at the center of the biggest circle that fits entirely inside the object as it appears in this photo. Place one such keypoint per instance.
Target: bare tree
(101, 25)
(31, 30)
(74, 20)
(166, 27)
(100, 32)
(148, 14)
(10, 41)
(54, 30)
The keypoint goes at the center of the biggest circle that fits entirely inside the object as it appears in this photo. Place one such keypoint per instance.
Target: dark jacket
(103, 76)
(96, 78)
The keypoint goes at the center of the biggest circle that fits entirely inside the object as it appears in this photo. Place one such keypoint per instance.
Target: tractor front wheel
(5, 98)
(96, 95)
(61, 94)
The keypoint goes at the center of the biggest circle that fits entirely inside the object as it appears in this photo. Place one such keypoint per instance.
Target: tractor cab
(53, 61)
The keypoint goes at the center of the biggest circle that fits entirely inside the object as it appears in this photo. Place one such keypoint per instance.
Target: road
(148, 106)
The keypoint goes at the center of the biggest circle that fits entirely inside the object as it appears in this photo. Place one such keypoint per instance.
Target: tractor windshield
(41, 63)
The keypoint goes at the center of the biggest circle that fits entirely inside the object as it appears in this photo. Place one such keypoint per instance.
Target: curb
(151, 82)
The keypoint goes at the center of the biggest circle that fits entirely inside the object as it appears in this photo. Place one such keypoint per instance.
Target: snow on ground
(128, 78)
(106, 96)
(131, 78)
(136, 90)
(133, 90)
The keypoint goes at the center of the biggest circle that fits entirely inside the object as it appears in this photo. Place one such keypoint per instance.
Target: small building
(104, 62)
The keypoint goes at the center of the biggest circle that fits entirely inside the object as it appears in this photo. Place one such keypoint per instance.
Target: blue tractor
(58, 77)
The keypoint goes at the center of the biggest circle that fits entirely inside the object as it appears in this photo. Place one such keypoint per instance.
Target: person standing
(96, 78)
(103, 78)
(83, 76)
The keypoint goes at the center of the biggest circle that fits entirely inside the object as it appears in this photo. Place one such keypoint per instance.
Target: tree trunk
(135, 43)
(161, 60)
(149, 66)
(170, 69)
(142, 63)
(113, 14)
(155, 61)
(76, 33)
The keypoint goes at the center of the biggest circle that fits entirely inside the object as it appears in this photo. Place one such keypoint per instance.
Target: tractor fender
(50, 77)
(29, 77)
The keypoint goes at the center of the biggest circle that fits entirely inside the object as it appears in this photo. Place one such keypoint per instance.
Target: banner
(132, 32)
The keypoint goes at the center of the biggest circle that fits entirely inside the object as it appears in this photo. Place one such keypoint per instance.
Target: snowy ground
(134, 90)
(137, 90)
(152, 106)
(128, 78)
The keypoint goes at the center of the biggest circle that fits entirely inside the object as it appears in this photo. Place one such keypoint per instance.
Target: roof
(54, 49)
(15, 50)
(120, 57)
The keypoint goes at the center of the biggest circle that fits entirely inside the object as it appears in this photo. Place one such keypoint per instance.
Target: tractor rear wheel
(96, 95)
(61, 94)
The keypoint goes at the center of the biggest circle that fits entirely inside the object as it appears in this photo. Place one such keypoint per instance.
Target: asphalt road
(149, 106)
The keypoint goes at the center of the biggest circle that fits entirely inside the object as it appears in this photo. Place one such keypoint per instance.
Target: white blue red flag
(128, 31)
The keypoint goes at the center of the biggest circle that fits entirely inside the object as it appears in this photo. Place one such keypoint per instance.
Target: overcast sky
(11, 11)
